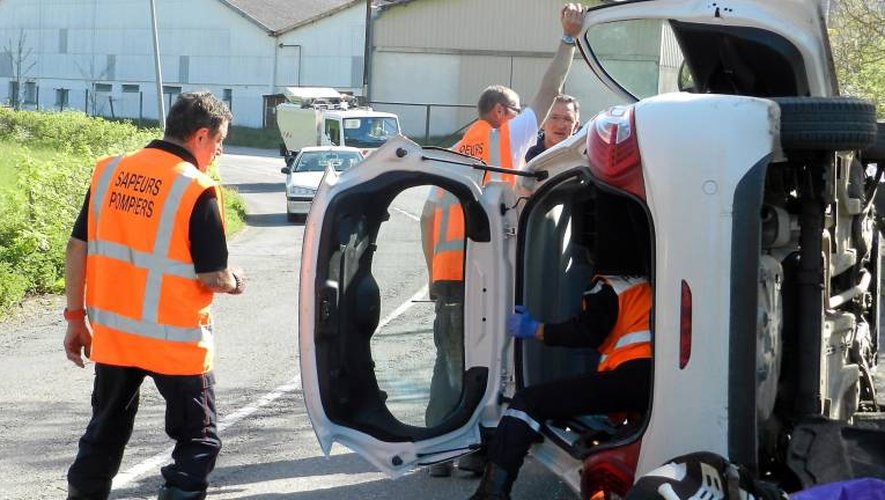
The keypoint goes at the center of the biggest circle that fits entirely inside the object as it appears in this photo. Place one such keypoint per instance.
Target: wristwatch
(568, 39)
(78, 315)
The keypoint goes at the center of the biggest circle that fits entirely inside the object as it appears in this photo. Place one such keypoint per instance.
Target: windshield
(317, 161)
(369, 132)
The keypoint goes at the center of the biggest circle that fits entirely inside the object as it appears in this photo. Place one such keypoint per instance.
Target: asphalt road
(270, 450)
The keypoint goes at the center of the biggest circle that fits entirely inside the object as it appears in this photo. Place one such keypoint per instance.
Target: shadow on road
(267, 220)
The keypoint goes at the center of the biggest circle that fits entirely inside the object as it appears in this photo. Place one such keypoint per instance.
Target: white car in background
(306, 172)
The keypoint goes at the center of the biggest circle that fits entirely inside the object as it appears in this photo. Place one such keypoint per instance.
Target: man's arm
(78, 338)
(209, 247)
(231, 281)
(572, 20)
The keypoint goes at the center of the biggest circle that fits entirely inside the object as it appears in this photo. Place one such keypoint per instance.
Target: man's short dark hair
(567, 99)
(193, 111)
(495, 94)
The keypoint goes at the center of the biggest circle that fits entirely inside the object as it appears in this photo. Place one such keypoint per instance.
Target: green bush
(53, 155)
(72, 132)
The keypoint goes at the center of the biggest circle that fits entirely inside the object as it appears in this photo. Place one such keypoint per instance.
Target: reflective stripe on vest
(630, 337)
(448, 237)
(155, 272)
(490, 145)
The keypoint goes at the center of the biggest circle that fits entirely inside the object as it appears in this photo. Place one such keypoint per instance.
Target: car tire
(876, 152)
(826, 123)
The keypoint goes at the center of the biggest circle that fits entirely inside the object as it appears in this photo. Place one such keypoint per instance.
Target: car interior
(575, 229)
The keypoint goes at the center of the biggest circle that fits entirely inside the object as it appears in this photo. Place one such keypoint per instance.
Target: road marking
(407, 214)
(164, 457)
(403, 307)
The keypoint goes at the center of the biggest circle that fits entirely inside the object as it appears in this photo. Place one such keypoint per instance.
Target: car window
(318, 161)
(642, 55)
(426, 336)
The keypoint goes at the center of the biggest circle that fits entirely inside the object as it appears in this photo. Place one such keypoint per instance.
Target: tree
(22, 61)
(857, 37)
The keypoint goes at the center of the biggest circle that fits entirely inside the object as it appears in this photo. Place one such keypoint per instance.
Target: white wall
(331, 52)
(77, 43)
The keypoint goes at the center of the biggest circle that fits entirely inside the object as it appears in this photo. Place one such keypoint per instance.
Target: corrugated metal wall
(446, 51)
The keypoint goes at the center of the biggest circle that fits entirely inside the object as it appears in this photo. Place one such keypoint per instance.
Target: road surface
(270, 450)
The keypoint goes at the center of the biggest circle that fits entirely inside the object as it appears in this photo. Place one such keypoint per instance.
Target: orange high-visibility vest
(447, 235)
(630, 338)
(145, 304)
(494, 149)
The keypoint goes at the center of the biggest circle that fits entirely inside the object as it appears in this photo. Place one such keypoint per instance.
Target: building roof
(279, 16)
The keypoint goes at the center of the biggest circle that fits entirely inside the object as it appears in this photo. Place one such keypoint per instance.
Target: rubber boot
(495, 485)
(173, 493)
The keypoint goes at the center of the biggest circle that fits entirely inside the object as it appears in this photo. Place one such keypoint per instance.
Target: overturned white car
(733, 177)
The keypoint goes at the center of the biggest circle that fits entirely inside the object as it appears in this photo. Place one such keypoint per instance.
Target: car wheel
(826, 123)
(876, 152)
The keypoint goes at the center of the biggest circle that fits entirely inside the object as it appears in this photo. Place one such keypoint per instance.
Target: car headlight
(301, 191)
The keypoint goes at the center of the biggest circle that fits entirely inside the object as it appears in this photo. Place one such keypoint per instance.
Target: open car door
(394, 367)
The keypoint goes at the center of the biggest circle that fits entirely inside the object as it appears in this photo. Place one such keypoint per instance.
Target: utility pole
(161, 112)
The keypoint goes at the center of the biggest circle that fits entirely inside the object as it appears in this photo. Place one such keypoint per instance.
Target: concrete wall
(446, 51)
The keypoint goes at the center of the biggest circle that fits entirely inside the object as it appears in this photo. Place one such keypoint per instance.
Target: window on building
(61, 98)
(13, 93)
(184, 65)
(63, 41)
(171, 94)
(111, 67)
(130, 88)
(104, 87)
(227, 95)
(30, 93)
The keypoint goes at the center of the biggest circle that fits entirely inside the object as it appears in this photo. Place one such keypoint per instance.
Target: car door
(374, 330)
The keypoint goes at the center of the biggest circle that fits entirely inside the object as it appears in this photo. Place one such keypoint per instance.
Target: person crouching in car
(614, 319)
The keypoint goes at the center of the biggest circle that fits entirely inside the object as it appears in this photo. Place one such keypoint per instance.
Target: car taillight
(613, 150)
(610, 472)
(685, 326)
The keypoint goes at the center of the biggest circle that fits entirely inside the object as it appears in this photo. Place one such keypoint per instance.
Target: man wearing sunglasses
(500, 137)
(505, 130)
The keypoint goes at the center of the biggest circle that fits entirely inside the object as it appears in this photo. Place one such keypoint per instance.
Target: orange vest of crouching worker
(630, 338)
(145, 304)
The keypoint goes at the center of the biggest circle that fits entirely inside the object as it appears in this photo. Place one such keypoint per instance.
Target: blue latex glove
(521, 324)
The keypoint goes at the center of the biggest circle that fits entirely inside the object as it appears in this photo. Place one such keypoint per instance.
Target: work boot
(442, 469)
(173, 493)
(475, 463)
(75, 494)
(495, 485)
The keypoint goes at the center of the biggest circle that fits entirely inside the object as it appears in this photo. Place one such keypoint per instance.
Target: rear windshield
(647, 57)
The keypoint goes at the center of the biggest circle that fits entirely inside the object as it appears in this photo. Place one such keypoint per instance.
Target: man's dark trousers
(190, 420)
